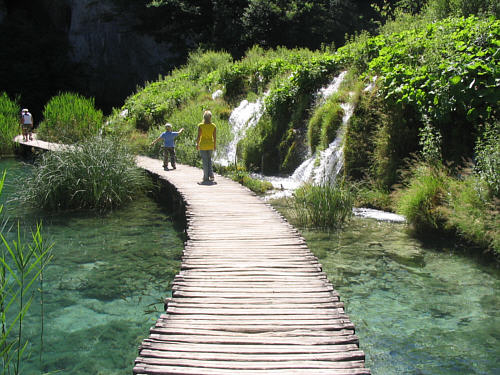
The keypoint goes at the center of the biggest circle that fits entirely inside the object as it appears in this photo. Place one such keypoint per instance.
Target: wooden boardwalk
(250, 297)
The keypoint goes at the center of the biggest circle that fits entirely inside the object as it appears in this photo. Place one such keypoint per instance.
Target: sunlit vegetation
(9, 123)
(98, 174)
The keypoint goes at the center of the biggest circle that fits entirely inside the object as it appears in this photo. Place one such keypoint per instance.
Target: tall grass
(322, 206)
(9, 123)
(21, 265)
(98, 174)
(472, 212)
(422, 196)
(70, 118)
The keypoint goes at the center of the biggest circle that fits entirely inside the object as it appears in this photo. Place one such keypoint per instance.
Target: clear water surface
(108, 275)
(418, 311)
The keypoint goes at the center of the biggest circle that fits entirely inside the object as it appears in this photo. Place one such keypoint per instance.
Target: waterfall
(243, 117)
(326, 165)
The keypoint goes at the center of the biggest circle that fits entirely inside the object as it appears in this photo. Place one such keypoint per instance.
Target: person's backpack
(26, 118)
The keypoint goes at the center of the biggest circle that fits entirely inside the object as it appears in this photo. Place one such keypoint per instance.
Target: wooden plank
(141, 369)
(246, 349)
(345, 359)
(263, 327)
(246, 365)
(166, 329)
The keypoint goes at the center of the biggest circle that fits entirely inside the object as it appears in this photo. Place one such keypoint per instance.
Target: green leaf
(455, 80)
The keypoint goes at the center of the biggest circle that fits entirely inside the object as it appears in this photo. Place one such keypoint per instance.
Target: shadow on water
(418, 308)
(108, 270)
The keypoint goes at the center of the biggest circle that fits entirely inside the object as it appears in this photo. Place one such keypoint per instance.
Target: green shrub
(9, 123)
(99, 174)
(488, 157)
(321, 206)
(70, 118)
(471, 212)
(420, 200)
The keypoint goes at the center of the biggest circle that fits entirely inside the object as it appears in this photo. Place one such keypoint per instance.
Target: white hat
(25, 110)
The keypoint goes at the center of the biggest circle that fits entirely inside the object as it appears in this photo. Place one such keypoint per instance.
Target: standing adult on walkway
(206, 143)
(26, 122)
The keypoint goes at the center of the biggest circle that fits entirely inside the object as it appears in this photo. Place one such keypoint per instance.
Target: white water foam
(243, 117)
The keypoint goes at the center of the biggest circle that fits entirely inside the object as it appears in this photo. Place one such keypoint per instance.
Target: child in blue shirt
(168, 137)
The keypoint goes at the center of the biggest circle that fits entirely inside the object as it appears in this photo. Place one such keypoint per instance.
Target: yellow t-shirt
(207, 141)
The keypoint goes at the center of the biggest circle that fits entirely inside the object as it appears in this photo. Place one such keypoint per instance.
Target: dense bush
(97, 174)
(9, 123)
(70, 118)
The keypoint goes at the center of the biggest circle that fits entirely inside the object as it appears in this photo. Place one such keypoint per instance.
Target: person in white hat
(26, 121)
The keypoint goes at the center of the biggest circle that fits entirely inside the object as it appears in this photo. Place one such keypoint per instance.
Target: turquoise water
(417, 311)
(108, 276)
(425, 311)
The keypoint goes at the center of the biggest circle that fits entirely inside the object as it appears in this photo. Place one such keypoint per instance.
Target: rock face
(115, 56)
(105, 41)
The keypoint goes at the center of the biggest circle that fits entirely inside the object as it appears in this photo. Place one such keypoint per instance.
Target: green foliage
(322, 206)
(9, 123)
(69, 118)
(444, 8)
(324, 123)
(424, 192)
(99, 174)
(488, 157)
(21, 265)
(241, 176)
(471, 212)
(368, 194)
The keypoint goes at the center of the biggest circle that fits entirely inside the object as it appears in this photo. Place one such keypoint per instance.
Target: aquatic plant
(99, 174)
(21, 265)
(321, 206)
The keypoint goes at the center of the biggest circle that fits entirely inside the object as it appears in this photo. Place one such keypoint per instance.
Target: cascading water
(243, 117)
(321, 168)
(317, 169)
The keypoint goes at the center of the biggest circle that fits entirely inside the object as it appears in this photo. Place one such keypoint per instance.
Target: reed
(21, 265)
(99, 174)
(322, 206)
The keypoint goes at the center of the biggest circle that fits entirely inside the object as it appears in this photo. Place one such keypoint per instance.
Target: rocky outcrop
(99, 48)
(115, 56)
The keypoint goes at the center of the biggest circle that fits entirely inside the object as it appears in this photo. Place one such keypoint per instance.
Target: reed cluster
(21, 265)
(99, 174)
(322, 206)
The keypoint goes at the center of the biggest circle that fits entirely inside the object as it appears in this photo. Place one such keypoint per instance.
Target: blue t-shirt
(168, 138)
